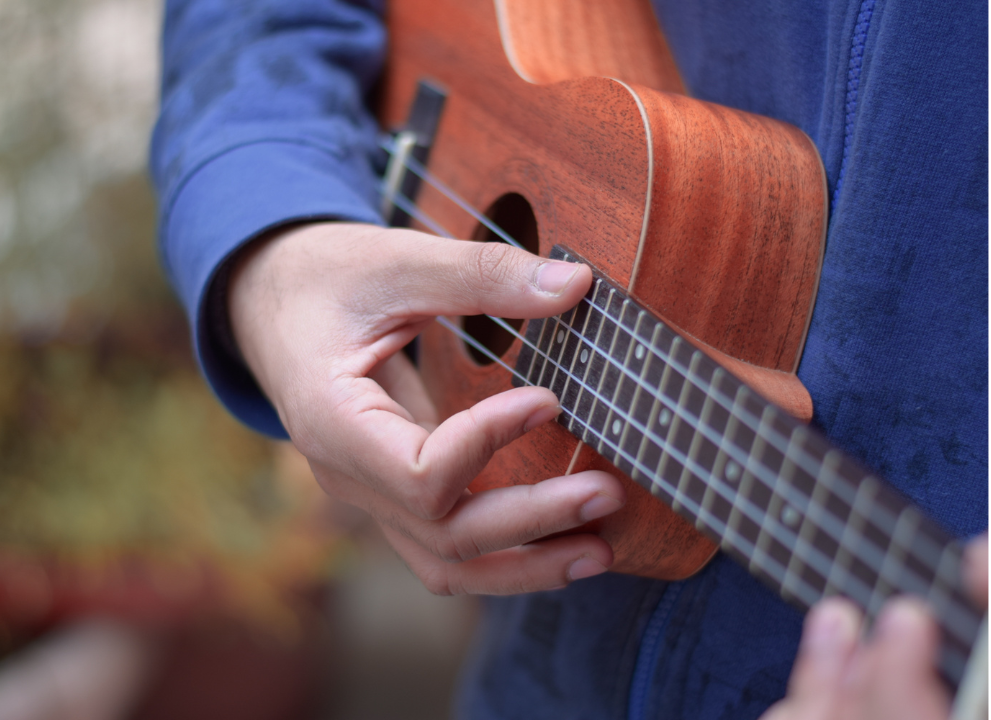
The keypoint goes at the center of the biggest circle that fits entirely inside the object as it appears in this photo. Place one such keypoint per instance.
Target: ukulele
(562, 126)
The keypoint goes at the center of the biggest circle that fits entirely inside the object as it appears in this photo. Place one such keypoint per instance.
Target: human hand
(320, 313)
(891, 676)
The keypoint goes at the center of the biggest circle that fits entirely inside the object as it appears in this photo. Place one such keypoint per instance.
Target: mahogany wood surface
(554, 40)
(714, 216)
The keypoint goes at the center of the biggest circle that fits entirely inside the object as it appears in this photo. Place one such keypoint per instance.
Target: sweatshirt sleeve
(263, 122)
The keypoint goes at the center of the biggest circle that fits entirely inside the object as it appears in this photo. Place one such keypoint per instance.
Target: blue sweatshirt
(264, 122)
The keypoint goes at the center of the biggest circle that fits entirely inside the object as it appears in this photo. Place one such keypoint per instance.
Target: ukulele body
(711, 217)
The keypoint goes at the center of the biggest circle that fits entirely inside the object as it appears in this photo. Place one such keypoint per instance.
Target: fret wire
(708, 388)
(675, 426)
(606, 358)
(537, 353)
(809, 524)
(908, 521)
(533, 358)
(763, 536)
(558, 331)
(651, 416)
(940, 593)
(614, 407)
(722, 456)
(570, 372)
(670, 362)
(654, 411)
(696, 447)
(940, 596)
(593, 353)
(637, 386)
(708, 497)
(846, 550)
(583, 382)
(547, 355)
(809, 597)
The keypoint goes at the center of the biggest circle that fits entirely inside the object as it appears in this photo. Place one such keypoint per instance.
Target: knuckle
(477, 454)
(436, 582)
(492, 264)
(428, 506)
(537, 523)
(462, 549)
(304, 437)
(451, 547)
(419, 495)
(442, 545)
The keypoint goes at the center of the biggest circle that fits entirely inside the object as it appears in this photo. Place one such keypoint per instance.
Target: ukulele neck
(800, 514)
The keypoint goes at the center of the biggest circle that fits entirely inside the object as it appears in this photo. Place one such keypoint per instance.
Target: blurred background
(157, 560)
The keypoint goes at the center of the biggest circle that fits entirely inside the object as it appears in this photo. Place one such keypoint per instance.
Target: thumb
(461, 277)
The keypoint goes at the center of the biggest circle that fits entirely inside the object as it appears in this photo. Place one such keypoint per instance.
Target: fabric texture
(263, 124)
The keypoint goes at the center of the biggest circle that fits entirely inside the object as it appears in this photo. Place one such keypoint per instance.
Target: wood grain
(554, 40)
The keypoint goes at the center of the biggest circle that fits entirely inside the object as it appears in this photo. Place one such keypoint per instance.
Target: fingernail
(541, 416)
(554, 277)
(600, 506)
(831, 627)
(899, 617)
(585, 567)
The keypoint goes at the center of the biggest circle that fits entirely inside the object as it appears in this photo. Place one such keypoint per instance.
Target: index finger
(425, 472)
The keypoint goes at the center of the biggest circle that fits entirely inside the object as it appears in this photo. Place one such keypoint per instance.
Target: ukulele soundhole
(513, 214)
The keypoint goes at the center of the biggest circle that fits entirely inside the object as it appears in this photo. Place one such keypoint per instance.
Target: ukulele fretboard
(800, 514)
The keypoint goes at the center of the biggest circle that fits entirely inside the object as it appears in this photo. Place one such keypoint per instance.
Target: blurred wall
(125, 489)
(77, 98)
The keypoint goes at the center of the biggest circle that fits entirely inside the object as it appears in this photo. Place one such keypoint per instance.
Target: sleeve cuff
(228, 202)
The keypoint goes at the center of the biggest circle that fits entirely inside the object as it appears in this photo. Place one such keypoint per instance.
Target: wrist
(274, 283)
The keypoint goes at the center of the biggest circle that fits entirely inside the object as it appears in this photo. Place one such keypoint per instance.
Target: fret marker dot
(584, 356)
(616, 425)
(789, 516)
(665, 417)
(560, 335)
(639, 352)
(732, 471)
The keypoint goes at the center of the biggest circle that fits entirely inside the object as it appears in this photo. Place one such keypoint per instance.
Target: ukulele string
(856, 587)
(804, 503)
(418, 169)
